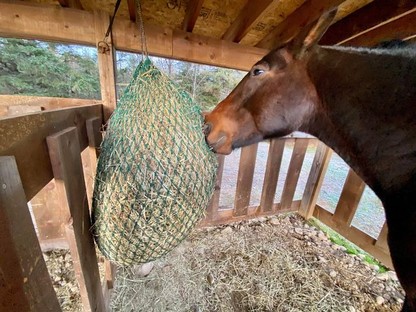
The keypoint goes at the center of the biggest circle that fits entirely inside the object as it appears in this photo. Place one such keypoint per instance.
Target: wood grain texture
(25, 138)
(65, 155)
(271, 175)
(354, 235)
(248, 17)
(245, 179)
(307, 13)
(349, 199)
(295, 166)
(192, 12)
(25, 282)
(315, 179)
(367, 17)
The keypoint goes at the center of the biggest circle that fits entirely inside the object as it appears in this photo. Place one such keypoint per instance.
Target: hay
(257, 266)
(155, 174)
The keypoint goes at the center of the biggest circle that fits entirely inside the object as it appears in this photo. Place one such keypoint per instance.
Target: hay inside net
(155, 174)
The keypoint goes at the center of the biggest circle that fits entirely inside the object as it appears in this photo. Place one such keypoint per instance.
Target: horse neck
(366, 112)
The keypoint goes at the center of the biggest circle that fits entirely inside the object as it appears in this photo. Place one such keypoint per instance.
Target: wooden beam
(316, 177)
(25, 282)
(227, 215)
(74, 4)
(25, 138)
(358, 237)
(245, 179)
(307, 13)
(295, 166)
(191, 15)
(50, 23)
(43, 102)
(274, 160)
(349, 199)
(371, 15)
(249, 16)
(400, 27)
(65, 155)
(131, 4)
(106, 63)
(42, 22)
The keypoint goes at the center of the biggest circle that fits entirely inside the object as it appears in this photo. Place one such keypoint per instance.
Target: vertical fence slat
(274, 160)
(215, 200)
(293, 173)
(316, 177)
(245, 179)
(382, 238)
(25, 284)
(65, 154)
(350, 197)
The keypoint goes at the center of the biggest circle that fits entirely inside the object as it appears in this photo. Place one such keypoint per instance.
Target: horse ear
(311, 34)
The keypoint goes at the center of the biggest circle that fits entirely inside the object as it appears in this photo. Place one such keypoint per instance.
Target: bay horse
(360, 102)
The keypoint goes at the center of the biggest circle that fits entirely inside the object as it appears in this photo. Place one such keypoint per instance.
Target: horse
(360, 102)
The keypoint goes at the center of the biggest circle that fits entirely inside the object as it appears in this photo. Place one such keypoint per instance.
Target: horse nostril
(207, 127)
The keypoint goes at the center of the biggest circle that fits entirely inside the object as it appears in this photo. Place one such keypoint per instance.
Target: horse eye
(258, 71)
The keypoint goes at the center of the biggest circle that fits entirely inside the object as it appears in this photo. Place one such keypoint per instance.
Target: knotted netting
(155, 175)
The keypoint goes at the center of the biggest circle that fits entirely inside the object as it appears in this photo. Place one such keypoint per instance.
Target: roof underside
(261, 24)
(251, 23)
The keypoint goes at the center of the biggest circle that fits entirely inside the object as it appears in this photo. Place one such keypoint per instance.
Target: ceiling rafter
(132, 9)
(192, 12)
(308, 12)
(74, 4)
(248, 17)
(367, 17)
(399, 27)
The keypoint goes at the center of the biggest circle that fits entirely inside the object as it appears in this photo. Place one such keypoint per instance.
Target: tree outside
(30, 67)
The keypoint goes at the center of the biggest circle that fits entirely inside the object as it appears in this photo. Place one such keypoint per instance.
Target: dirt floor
(269, 264)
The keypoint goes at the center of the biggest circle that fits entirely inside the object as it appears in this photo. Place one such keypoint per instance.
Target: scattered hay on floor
(61, 270)
(277, 264)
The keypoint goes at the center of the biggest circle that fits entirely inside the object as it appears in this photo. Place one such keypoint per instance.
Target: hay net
(155, 175)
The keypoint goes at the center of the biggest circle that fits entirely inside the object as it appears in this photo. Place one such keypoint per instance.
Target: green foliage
(35, 68)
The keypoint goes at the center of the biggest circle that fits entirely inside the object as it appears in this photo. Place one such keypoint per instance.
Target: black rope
(112, 18)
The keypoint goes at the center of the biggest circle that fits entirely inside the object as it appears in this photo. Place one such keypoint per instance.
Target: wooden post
(65, 155)
(25, 284)
(274, 160)
(349, 199)
(293, 173)
(94, 141)
(382, 238)
(215, 200)
(106, 63)
(316, 177)
(245, 179)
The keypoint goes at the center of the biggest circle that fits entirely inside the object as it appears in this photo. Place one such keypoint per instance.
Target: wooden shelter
(53, 138)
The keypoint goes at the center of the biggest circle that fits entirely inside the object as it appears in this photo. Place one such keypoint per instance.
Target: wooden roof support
(369, 16)
(132, 9)
(248, 17)
(192, 13)
(400, 27)
(308, 12)
(23, 20)
(75, 4)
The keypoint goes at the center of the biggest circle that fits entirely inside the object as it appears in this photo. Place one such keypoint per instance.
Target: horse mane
(392, 47)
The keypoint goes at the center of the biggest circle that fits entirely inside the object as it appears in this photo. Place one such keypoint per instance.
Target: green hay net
(155, 174)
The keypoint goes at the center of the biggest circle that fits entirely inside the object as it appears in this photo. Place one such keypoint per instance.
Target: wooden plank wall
(63, 156)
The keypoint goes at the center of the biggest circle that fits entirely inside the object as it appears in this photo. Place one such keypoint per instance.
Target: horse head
(274, 99)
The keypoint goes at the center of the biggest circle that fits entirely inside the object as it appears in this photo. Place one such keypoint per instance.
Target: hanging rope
(139, 20)
(103, 45)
